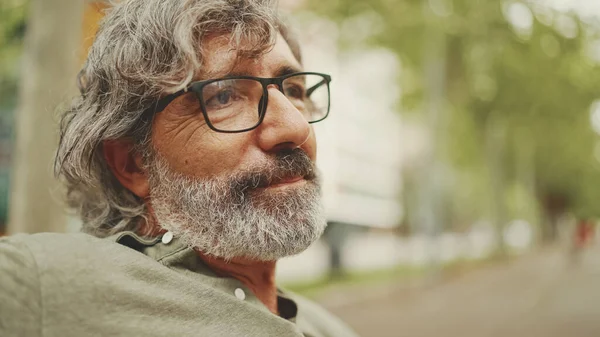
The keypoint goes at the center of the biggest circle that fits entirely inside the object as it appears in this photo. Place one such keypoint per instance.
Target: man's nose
(284, 126)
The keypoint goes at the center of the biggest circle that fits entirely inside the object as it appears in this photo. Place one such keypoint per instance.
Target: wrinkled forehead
(222, 58)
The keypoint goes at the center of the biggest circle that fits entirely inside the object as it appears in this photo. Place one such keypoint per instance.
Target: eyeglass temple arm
(312, 89)
(163, 102)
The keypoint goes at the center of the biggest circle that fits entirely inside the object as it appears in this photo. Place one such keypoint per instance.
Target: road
(539, 295)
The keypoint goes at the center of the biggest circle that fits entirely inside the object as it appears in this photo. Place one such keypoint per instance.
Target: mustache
(284, 165)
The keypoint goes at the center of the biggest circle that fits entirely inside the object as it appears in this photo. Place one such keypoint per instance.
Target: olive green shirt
(77, 285)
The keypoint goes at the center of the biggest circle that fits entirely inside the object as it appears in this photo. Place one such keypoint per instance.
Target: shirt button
(240, 294)
(167, 238)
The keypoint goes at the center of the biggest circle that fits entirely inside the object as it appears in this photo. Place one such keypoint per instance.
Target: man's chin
(271, 243)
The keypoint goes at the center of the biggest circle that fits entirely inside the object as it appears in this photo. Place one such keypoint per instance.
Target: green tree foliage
(533, 82)
(12, 31)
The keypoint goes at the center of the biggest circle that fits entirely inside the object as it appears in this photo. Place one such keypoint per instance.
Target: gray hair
(144, 49)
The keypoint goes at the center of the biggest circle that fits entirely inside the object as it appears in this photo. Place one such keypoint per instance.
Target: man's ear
(126, 165)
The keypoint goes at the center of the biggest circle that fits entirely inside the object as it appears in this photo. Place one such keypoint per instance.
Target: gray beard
(233, 216)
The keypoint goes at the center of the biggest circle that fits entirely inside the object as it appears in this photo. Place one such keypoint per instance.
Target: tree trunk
(49, 68)
(555, 205)
(432, 176)
(495, 156)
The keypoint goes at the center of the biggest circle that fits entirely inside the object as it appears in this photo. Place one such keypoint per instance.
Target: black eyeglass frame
(197, 87)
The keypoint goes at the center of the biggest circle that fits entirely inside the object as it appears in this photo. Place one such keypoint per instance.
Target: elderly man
(190, 158)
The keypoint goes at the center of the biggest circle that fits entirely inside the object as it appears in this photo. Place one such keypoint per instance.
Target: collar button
(167, 238)
(240, 294)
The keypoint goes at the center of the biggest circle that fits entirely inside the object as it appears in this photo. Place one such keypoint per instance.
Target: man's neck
(258, 276)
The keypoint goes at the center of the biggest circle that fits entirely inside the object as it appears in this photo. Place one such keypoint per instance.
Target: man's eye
(221, 98)
(295, 91)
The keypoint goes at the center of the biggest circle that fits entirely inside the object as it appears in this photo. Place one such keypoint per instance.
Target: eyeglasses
(239, 104)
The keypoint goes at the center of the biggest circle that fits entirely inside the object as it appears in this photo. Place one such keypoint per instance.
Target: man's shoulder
(59, 251)
(62, 239)
(44, 244)
(31, 265)
(316, 318)
(55, 244)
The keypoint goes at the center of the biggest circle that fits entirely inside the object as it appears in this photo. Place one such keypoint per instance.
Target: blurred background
(461, 160)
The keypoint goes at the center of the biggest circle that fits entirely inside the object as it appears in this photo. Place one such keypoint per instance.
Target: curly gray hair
(144, 49)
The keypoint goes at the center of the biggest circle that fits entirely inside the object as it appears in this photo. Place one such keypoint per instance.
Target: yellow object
(94, 12)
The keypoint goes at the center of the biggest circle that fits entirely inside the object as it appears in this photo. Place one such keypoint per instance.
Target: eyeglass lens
(235, 104)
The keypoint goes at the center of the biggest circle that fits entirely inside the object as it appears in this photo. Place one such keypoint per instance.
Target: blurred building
(360, 147)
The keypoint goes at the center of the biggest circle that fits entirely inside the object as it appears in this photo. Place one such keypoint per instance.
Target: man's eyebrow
(281, 71)
(286, 70)
(236, 74)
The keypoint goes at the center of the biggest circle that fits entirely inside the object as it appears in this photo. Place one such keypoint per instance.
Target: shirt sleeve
(20, 292)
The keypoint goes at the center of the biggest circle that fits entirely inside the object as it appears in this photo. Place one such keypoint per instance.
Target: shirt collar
(171, 252)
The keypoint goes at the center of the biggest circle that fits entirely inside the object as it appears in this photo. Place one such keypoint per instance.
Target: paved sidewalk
(540, 295)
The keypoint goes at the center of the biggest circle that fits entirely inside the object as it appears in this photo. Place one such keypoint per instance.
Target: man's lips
(286, 181)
